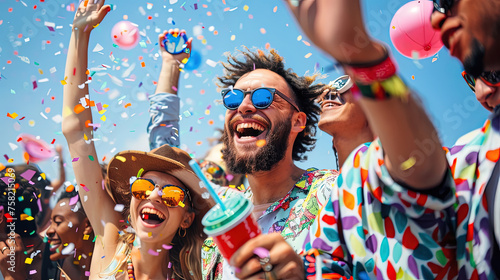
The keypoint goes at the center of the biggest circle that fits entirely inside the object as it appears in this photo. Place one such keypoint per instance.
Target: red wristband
(369, 75)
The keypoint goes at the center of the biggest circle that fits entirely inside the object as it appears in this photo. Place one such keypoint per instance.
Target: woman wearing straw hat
(160, 194)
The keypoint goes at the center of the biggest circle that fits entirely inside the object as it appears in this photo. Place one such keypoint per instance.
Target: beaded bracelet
(380, 90)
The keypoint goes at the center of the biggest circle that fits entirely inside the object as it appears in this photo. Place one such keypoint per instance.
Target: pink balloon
(411, 31)
(125, 34)
(37, 149)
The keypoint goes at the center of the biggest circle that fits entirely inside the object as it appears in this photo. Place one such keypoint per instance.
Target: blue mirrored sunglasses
(261, 97)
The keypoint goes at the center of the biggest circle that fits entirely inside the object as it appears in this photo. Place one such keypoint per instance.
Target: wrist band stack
(377, 80)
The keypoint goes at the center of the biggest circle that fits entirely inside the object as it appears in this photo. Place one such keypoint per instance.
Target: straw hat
(166, 159)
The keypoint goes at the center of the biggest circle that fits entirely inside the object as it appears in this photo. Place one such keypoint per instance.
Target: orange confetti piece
(260, 143)
(13, 115)
(275, 9)
(263, 30)
(128, 105)
(78, 108)
(143, 64)
(211, 122)
(70, 188)
(199, 143)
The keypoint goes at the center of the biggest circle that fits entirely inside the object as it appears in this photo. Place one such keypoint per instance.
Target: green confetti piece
(20, 198)
(140, 172)
(27, 211)
(36, 63)
(91, 158)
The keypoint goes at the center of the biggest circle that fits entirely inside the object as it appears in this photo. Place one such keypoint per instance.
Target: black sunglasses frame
(271, 90)
(486, 77)
(186, 191)
(443, 6)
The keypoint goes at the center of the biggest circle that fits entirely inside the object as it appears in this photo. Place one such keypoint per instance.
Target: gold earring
(179, 231)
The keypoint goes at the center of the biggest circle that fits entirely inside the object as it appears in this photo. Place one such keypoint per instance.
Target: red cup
(232, 228)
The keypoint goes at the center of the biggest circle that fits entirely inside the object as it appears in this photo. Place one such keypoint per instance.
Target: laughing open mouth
(249, 130)
(152, 216)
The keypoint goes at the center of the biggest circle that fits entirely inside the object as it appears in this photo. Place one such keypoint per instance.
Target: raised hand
(89, 15)
(179, 58)
(337, 28)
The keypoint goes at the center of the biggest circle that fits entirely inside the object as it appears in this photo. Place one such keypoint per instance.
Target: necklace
(130, 269)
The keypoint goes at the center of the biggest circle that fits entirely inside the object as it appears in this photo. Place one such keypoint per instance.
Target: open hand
(285, 263)
(89, 15)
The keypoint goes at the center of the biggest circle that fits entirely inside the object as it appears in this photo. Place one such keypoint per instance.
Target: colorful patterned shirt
(373, 228)
(472, 161)
(292, 216)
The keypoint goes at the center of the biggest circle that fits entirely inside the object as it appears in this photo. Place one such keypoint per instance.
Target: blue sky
(31, 51)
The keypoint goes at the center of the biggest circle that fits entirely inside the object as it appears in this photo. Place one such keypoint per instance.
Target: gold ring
(4, 248)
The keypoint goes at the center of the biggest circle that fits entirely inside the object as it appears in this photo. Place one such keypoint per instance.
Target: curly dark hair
(304, 91)
(25, 197)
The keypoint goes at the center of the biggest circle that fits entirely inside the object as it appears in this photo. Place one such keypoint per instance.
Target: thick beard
(267, 156)
(474, 62)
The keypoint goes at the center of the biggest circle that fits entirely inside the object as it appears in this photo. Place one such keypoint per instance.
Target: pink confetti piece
(75, 159)
(33, 271)
(39, 203)
(153, 252)
(84, 188)
(6, 180)
(99, 106)
(28, 174)
(261, 252)
(87, 273)
(73, 200)
(166, 247)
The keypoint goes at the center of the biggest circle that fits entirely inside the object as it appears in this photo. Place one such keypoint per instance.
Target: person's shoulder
(318, 173)
(315, 179)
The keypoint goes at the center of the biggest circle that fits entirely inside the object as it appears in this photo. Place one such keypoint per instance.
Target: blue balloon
(194, 61)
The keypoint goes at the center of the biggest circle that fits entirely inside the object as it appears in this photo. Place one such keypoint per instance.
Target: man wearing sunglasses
(469, 29)
(390, 214)
(486, 88)
(269, 124)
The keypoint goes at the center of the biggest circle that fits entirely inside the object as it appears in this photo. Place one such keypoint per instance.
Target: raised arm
(413, 153)
(96, 202)
(163, 127)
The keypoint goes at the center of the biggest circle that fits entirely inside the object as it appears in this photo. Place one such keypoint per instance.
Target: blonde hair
(185, 254)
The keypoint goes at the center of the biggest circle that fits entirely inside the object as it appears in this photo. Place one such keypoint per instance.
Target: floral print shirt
(472, 161)
(292, 216)
(374, 228)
